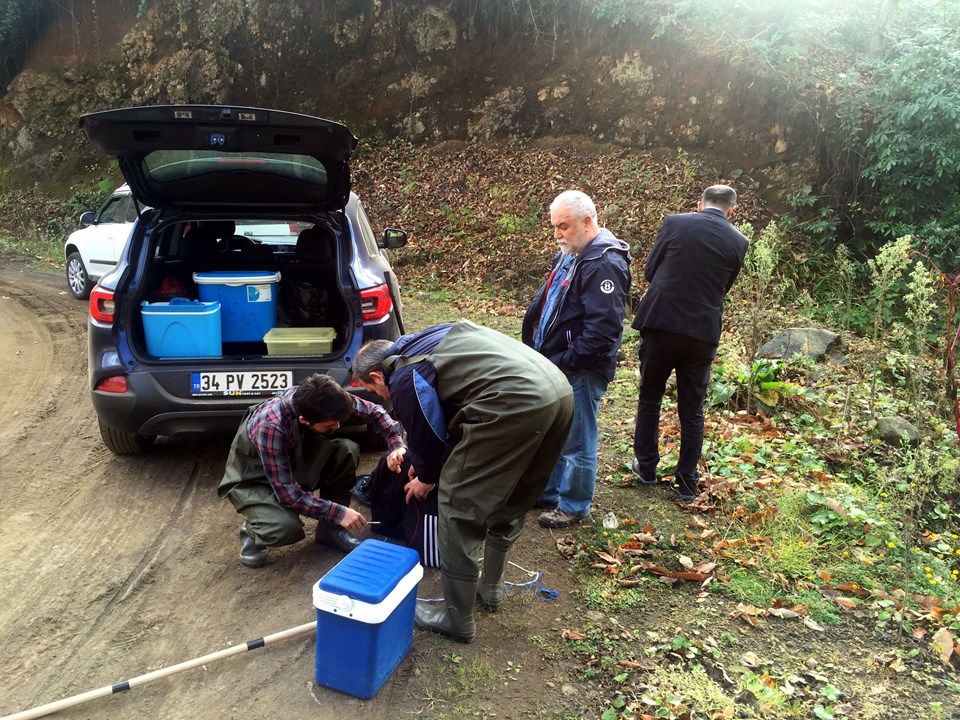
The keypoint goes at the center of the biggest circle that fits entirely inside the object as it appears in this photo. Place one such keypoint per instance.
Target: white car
(92, 250)
(96, 247)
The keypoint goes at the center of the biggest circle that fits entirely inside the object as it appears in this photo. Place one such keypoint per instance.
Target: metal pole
(120, 687)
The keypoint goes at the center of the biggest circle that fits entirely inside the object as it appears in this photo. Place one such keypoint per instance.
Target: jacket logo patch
(607, 287)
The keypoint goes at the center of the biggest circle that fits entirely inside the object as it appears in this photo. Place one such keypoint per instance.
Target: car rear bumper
(158, 402)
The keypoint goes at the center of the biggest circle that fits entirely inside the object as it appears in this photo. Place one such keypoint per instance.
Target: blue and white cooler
(248, 301)
(365, 606)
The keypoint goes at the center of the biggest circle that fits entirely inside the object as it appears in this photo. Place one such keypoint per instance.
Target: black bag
(414, 524)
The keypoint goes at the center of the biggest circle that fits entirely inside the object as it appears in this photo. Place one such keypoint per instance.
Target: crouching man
(281, 457)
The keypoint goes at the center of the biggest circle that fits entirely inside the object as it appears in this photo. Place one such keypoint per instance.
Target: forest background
(838, 123)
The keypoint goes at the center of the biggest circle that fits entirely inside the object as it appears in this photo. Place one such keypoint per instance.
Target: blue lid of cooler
(236, 277)
(370, 571)
(180, 305)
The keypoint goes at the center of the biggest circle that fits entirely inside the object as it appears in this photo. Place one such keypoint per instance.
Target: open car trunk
(230, 289)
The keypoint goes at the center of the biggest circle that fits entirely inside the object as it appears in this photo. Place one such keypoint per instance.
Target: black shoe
(251, 554)
(361, 489)
(336, 537)
(686, 487)
(645, 479)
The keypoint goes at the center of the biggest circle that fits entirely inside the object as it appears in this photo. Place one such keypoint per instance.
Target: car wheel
(77, 279)
(122, 443)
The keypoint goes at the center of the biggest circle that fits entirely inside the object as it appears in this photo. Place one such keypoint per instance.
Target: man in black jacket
(576, 320)
(692, 265)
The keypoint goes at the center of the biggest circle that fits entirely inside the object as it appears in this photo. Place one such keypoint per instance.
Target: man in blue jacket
(692, 265)
(576, 320)
(486, 418)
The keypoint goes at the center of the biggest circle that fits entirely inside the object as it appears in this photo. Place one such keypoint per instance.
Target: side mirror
(392, 239)
(86, 219)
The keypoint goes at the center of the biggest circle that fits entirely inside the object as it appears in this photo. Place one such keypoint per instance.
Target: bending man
(486, 419)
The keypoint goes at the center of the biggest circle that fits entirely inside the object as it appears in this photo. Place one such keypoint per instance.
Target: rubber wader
(491, 590)
(454, 618)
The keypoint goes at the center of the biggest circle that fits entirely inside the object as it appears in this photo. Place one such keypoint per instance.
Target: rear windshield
(175, 165)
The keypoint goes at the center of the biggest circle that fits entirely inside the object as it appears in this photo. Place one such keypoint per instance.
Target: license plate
(209, 384)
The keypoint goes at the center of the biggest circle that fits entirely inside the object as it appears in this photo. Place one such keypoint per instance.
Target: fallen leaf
(812, 624)
(943, 645)
(845, 602)
(572, 635)
(607, 558)
(685, 561)
(783, 613)
(750, 660)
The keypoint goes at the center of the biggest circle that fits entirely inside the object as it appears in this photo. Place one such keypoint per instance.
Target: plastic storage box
(365, 606)
(248, 301)
(182, 328)
(300, 341)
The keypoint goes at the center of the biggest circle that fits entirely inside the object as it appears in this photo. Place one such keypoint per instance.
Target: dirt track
(113, 567)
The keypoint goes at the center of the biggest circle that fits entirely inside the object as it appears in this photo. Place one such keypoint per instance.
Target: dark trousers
(660, 353)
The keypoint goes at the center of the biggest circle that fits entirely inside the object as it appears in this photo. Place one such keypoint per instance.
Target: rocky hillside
(482, 72)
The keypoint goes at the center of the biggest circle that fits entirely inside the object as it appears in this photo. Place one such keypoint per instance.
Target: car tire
(78, 280)
(121, 443)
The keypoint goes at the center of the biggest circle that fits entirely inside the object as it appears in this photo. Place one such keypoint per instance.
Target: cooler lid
(236, 277)
(180, 306)
(370, 582)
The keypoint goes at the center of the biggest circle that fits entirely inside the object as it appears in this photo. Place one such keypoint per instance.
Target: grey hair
(370, 358)
(720, 196)
(578, 203)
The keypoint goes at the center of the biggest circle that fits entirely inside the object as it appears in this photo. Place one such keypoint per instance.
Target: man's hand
(417, 489)
(353, 521)
(395, 459)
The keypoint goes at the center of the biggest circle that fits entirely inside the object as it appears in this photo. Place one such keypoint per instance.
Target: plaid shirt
(270, 430)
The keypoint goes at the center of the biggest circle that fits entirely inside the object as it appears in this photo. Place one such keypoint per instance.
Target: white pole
(119, 687)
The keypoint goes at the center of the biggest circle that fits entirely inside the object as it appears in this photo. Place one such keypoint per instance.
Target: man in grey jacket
(576, 321)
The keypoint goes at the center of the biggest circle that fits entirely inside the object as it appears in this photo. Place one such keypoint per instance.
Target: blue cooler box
(248, 302)
(365, 607)
(182, 328)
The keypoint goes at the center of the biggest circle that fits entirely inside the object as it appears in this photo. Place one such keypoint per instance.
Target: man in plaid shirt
(281, 456)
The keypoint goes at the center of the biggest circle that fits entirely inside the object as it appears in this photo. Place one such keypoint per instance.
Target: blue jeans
(574, 477)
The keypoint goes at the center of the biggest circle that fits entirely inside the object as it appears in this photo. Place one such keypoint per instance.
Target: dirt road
(113, 567)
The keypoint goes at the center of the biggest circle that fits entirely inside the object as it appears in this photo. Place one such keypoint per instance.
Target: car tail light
(102, 305)
(113, 384)
(375, 303)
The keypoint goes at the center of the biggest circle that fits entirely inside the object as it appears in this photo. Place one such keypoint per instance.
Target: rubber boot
(336, 537)
(454, 618)
(491, 590)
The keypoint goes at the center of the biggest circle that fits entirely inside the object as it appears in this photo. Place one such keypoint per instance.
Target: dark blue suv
(251, 265)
